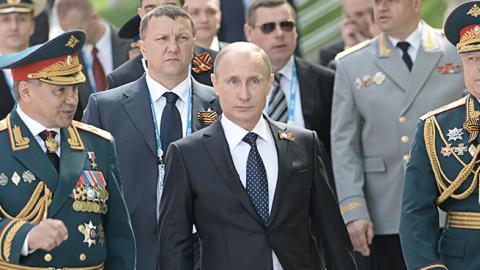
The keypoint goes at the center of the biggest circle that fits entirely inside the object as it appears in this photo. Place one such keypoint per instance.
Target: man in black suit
(144, 116)
(254, 188)
(202, 62)
(103, 50)
(17, 26)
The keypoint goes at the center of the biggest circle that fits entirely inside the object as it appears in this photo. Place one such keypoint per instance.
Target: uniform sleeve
(176, 214)
(347, 159)
(119, 238)
(12, 237)
(419, 228)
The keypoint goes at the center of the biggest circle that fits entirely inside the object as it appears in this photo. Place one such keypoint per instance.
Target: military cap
(462, 27)
(55, 61)
(22, 6)
(131, 30)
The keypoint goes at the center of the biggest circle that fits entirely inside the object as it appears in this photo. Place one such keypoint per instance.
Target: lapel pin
(91, 157)
(207, 117)
(15, 178)
(202, 62)
(3, 179)
(28, 176)
(283, 135)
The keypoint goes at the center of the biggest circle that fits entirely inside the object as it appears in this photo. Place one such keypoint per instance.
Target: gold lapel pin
(283, 135)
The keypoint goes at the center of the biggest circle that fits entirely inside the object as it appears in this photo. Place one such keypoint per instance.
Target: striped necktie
(277, 106)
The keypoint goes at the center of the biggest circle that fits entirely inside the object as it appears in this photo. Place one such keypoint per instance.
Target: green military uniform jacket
(443, 172)
(85, 195)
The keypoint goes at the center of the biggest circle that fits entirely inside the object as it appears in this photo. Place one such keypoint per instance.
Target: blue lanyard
(188, 130)
(293, 95)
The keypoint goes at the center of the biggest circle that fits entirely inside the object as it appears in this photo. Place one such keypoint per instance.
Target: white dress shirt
(415, 40)
(286, 87)
(35, 128)
(240, 150)
(215, 45)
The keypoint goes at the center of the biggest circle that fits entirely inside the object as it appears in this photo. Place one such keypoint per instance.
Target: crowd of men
(194, 138)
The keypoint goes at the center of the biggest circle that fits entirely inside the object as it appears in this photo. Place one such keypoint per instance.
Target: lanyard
(188, 130)
(293, 95)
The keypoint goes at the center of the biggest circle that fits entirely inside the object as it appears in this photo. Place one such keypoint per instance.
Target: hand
(361, 235)
(47, 235)
(349, 32)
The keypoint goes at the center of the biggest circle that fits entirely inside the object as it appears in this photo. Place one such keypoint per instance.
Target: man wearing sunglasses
(382, 87)
(301, 93)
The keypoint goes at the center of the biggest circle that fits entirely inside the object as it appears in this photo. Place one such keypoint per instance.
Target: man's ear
(25, 91)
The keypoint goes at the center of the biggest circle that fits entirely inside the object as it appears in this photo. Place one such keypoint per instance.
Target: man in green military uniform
(60, 200)
(444, 168)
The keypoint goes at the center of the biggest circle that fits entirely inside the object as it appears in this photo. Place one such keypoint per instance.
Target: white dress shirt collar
(33, 125)
(215, 45)
(234, 133)
(414, 38)
(286, 70)
(105, 51)
(156, 89)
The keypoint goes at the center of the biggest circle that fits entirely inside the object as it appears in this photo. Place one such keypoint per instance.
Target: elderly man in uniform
(381, 87)
(60, 197)
(444, 169)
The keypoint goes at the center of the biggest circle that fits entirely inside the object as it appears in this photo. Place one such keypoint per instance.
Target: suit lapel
(284, 165)
(307, 90)
(388, 60)
(201, 101)
(32, 155)
(71, 165)
(137, 106)
(426, 61)
(217, 147)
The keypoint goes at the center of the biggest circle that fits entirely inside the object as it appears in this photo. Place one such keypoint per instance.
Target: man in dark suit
(165, 104)
(103, 51)
(17, 26)
(202, 62)
(254, 188)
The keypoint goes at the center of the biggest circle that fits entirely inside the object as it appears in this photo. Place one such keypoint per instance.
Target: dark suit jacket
(203, 188)
(327, 54)
(6, 99)
(120, 48)
(133, 69)
(125, 112)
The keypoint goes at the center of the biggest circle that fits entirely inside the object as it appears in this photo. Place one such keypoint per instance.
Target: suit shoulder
(455, 104)
(94, 130)
(3, 124)
(353, 49)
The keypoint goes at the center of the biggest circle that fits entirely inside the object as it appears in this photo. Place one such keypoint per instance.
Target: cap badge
(474, 11)
(72, 42)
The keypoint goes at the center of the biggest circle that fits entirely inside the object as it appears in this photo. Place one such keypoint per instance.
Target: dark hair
(250, 17)
(182, 2)
(171, 11)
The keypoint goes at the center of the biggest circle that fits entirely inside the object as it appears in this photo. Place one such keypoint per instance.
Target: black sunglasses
(269, 27)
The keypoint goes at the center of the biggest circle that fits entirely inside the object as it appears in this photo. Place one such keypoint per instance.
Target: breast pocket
(374, 164)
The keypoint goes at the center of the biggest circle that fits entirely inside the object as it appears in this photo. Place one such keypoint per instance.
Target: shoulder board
(3, 124)
(352, 49)
(97, 131)
(447, 107)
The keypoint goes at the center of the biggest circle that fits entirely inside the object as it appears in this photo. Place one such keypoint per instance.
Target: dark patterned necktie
(171, 123)
(403, 45)
(257, 183)
(52, 155)
(277, 106)
(98, 71)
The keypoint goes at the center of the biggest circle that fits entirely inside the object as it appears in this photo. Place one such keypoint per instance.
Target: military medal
(89, 233)
(446, 152)
(101, 235)
(51, 144)
(455, 134)
(90, 193)
(3, 179)
(15, 178)
(460, 149)
(378, 78)
(91, 156)
(28, 177)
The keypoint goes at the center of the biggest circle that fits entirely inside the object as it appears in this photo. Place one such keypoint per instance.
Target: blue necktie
(171, 125)
(257, 183)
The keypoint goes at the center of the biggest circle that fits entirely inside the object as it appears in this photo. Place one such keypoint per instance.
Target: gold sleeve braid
(446, 192)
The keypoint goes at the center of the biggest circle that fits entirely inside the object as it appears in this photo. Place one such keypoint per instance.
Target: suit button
(405, 139)
(402, 119)
(406, 158)
(83, 257)
(48, 257)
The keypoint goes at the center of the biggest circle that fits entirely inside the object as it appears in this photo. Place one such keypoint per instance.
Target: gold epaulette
(352, 49)
(447, 107)
(3, 124)
(97, 131)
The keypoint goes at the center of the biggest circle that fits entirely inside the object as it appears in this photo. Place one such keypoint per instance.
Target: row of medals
(90, 199)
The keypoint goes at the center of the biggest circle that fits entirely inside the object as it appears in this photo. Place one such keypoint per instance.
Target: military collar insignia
(471, 120)
(283, 135)
(17, 141)
(383, 50)
(89, 232)
(74, 139)
(455, 134)
(202, 62)
(428, 38)
(449, 68)
(207, 117)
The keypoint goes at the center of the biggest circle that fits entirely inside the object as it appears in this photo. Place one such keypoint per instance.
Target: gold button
(83, 257)
(405, 139)
(402, 119)
(406, 158)
(47, 257)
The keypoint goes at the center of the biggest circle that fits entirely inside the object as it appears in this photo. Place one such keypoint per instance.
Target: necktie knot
(170, 97)
(49, 138)
(276, 78)
(251, 138)
(403, 45)
(47, 134)
(94, 50)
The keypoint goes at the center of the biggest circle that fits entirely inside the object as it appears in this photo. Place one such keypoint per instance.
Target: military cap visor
(55, 61)
(462, 27)
(22, 6)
